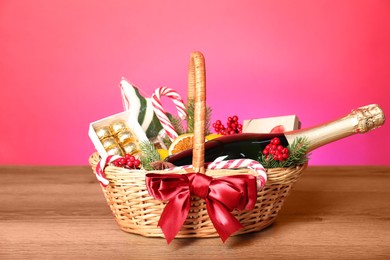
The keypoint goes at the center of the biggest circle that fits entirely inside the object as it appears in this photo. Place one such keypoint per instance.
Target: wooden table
(60, 213)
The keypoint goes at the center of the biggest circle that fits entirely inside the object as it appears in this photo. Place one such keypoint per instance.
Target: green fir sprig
(191, 119)
(176, 123)
(149, 154)
(297, 155)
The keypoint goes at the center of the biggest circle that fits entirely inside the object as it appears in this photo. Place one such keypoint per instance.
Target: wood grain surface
(60, 213)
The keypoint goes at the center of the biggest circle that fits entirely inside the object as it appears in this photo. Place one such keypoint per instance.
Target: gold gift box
(95, 130)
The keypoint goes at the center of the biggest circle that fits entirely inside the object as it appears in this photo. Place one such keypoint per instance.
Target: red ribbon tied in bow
(222, 195)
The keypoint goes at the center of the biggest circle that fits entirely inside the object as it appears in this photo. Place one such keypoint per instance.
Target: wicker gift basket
(138, 212)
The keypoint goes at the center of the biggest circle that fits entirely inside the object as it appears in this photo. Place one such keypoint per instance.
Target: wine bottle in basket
(250, 145)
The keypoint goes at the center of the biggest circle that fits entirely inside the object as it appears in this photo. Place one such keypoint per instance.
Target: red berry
(232, 126)
(276, 150)
(137, 163)
(128, 161)
(275, 141)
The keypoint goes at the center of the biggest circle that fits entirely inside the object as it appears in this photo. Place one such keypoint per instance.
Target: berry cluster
(129, 162)
(233, 127)
(276, 150)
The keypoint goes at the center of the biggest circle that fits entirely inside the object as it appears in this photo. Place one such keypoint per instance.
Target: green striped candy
(141, 108)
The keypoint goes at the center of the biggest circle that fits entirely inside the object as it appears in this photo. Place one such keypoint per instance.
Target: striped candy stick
(235, 164)
(242, 163)
(100, 168)
(160, 112)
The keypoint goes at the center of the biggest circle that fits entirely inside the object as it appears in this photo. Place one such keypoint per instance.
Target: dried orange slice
(181, 143)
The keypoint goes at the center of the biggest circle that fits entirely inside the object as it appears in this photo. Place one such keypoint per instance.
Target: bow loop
(166, 186)
(235, 192)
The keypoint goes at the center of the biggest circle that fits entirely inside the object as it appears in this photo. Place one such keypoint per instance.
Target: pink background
(61, 63)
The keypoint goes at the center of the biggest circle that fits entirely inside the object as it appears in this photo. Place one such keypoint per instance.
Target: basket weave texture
(137, 212)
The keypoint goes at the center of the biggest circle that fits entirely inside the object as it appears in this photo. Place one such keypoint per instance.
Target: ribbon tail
(173, 216)
(224, 222)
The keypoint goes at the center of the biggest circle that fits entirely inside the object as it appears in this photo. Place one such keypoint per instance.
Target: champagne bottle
(249, 145)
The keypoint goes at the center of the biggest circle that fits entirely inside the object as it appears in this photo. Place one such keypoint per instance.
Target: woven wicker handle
(197, 92)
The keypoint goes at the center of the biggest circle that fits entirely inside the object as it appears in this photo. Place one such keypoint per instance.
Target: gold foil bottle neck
(368, 118)
(360, 120)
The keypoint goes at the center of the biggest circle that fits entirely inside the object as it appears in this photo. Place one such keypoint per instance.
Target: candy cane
(160, 112)
(234, 164)
(100, 168)
(242, 163)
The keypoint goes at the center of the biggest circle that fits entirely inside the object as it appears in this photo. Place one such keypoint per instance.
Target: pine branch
(149, 154)
(297, 155)
(191, 114)
(176, 123)
(298, 151)
(208, 120)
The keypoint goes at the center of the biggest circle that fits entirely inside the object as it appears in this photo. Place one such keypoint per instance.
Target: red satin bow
(222, 195)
